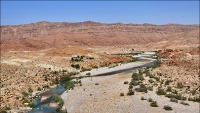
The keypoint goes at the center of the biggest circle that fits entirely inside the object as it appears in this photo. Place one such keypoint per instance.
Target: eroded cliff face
(44, 35)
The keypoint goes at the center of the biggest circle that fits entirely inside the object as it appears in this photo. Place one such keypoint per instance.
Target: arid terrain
(33, 54)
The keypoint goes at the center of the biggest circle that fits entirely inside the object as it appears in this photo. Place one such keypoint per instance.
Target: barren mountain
(44, 35)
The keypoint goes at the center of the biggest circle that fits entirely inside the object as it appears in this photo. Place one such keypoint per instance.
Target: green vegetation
(39, 89)
(167, 107)
(85, 69)
(167, 82)
(169, 89)
(57, 98)
(150, 100)
(176, 96)
(173, 100)
(77, 59)
(180, 85)
(69, 85)
(125, 82)
(137, 77)
(184, 103)
(160, 92)
(154, 104)
(30, 90)
(194, 99)
(142, 98)
(25, 94)
(121, 94)
(88, 73)
(142, 88)
(76, 66)
(134, 83)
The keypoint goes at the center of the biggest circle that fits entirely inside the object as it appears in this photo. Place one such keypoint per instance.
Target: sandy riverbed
(105, 98)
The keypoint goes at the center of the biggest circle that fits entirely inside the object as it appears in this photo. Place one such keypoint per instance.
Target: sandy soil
(105, 98)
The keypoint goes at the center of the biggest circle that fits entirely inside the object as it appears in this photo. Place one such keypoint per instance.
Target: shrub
(173, 100)
(150, 80)
(195, 99)
(176, 96)
(160, 92)
(130, 92)
(121, 94)
(30, 90)
(57, 98)
(169, 89)
(180, 85)
(150, 100)
(39, 89)
(96, 83)
(167, 107)
(94, 66)
(25, 94)
(88, 73)
(153, 104)
(85, 69)
(125, 82)
(150, 88)
(69, 85)
(157, 79)
(167, 82)
(184, 103)
(134, 83)
(142, 98)
(142, 88)
(137, 77)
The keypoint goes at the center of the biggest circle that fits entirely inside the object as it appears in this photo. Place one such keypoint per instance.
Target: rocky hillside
(43, 35)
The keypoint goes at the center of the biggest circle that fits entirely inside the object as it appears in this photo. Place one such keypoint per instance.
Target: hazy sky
(154, 12)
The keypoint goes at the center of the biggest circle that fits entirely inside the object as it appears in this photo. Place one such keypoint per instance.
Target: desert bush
(24, 93)
(142, 98)
(160, 92)
(150, 88)
(142, 88)
(156, 78)
(169, 89)
(85, 69)
(94, 66)
(173, 100)
(39, 89)
(137, 77)
(150, 80)
(69, 85)
(134, 83)
(194, 99)
(180, 85)
(150, 100)
(125, 82)
(167, 107)
(130, 92)
(184, 103)
(88, 73)
(154, 104)
(167, 82)
(30, 90)
(96, 83)
(121, 94)
(176, 96)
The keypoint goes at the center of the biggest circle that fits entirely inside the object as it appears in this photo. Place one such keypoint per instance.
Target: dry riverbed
(105, 98)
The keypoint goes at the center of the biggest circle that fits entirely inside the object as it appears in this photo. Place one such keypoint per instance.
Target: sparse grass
(167, 107)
